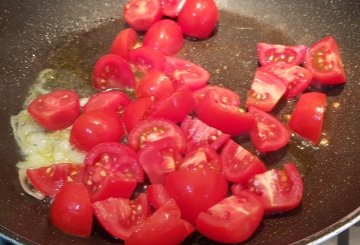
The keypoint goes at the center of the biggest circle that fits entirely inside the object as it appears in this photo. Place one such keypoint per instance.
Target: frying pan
(68, 36)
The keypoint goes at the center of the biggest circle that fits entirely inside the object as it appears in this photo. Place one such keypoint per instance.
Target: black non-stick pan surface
(68, 36)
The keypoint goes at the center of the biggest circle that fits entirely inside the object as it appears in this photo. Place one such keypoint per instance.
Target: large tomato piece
(195, 190)
(124, 42)
(155, 83)
(273, 53)
(232, 220)
(137, 111)
(49, 180)
(109, 100)
(165, 35)
(308, 116)
(198, 18)
(71, 211)
(141, 14)
(55, 110)
(323, 59)
(278, 190)
(120, 216)
(227, 96)
(96, 127)
(112, 71)
(146, 58)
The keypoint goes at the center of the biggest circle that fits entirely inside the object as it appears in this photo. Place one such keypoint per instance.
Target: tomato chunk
(124, 42)
(227, 96)
(137, 111)
(157, 195)
(147, 58)
(171, 8)
(155, 83)
(109, 100)
(273, 53)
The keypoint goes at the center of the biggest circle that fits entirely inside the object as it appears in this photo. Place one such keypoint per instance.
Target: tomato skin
(232, 220)
(96, 127)
(55, 110)
(141, 14)
(157, 195)
(273, 53)
(195, 190)
(155, 83)
(137, 111)
(71, 211)
(308, 116)
(49, 180)
(112, 71)
(198, 18)
(165, 35)
(171, 8)
(110, 100)
(124, 41)
(227, 95)
(324, 61)
(147, 58)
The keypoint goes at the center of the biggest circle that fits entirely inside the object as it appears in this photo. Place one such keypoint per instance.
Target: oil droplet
(336, 105)
(324, 142)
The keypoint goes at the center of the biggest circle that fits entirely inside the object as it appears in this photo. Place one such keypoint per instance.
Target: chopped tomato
(227, 96)
(171, 8)
(141, 14)
(116, 157)
(164, 226)
(265, 92)
(49, 180)
(296, 77)
(268, 134)
(154, 129)
(155, 83)
(147, 58)
(112, 71)
(239, 165)
(324, 61)
(71, 210)
(195, 190)
(165, 35)
(96, 127)
(308, 116)
(237, 188)
(124, 42)
(232, 220)
(157, 195)
(273, 53)
(120, 216)
(202, 157)
(159, 158)
(109, 100)
(137, 111)
(55, 110)
(278, 190)
(198, 18)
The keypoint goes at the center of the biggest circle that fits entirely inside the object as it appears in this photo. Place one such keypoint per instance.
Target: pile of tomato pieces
(178, 135)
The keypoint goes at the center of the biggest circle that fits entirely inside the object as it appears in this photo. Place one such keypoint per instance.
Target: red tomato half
(112, 71)
(324, 61)
(110, 100)
(186, 74)
(278, 190)
(96, 127)
(155, 83)
(202, 157)
(308, 116)
(120, 216)
(71, 210)
(124, 42)
(165, 35)
(195, 190)
(157, 195)
(238, 164)
(296, 77)
(171, 8)
(147, 58)
(232, 220)
(268, 134)
(265, 92)
(141, 14)
(227, 96)
(49, 180)
(154, 129)
(55, 110)
(198, 18)
(273, 53)
(137, 111)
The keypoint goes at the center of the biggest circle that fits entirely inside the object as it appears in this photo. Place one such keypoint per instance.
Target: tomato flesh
(157, 195)
(137, 111)
(273, 53)
(171, 8)
(146, 58)
(155, 83)
(109, 100)
(124, 42)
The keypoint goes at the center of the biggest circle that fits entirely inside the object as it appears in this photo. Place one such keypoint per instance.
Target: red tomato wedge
(186, 74)
(71, 210)
(157, 195)
(308, 116)
(165, 35)
(265, 92)
(296, 77)
(195, 190)
(273, 53)
(116, 157)
(112, 71)
(154, 129)
(55, 110)
(278, 190)
(147, 58)
(155, 83)
(109, 100)
(232, 220)
(137, 111)
(227, 96)
(124, 42)
(198, 134)
(49, 180)
(268, 134)
(171, 8)
(238, 164)
(159, 158)
(120, 216)
(164, 226)
(141, 14)
(203, 157)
